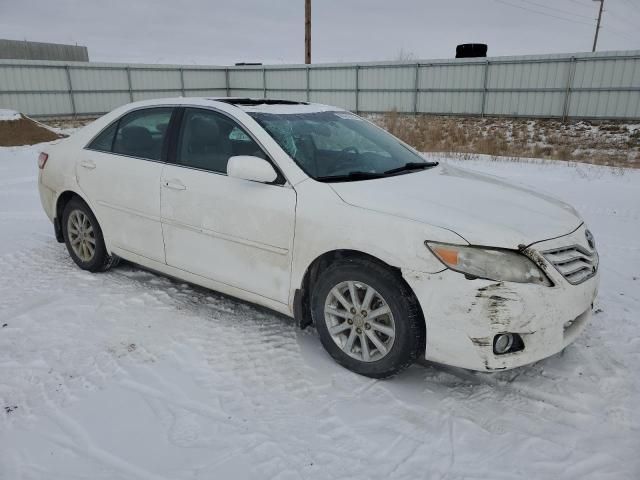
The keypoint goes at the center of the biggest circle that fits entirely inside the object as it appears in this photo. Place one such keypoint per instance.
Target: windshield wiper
(356, 175)
(361, 175)
(412, 166)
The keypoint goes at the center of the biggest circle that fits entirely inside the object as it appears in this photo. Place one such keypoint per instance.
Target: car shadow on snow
(532, 382)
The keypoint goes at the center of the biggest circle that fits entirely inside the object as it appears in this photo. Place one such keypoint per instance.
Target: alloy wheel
(359, 321)
(81, 235)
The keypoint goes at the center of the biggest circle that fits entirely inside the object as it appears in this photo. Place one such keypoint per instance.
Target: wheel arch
(301, 301)
(61, 202)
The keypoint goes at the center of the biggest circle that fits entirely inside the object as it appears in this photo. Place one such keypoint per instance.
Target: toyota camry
(315, 212)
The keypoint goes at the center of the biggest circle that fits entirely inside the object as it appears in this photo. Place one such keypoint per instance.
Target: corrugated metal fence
(601, 85)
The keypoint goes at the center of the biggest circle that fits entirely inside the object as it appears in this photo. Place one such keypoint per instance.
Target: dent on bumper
(462, 317)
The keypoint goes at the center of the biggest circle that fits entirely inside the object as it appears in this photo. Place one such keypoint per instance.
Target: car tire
(381, 356)
(83, 238)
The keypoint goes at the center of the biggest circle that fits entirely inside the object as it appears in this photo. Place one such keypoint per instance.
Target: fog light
(502, 343)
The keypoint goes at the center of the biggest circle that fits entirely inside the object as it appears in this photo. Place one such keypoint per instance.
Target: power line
(581, 4)
(621, 18)
(633, 11)
(618, 32)
(566, 12)
(543, 13)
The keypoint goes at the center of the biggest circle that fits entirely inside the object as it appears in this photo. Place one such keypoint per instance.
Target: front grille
(576, 263)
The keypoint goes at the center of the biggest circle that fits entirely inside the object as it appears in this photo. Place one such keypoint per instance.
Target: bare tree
(405, 56)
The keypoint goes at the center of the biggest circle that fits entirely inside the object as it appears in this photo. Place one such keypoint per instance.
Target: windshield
(339, 146)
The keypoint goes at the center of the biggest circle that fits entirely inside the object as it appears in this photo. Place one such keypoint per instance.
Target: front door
(233, 231)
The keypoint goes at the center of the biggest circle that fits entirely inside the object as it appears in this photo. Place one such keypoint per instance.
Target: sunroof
(257, 101)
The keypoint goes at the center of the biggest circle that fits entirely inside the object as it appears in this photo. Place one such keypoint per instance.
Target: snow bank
(9, 115)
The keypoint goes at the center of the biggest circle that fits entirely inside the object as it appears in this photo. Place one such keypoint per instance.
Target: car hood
(483, 209)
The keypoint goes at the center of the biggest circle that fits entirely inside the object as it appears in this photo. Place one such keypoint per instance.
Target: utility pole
(307, 31)
(595, 39)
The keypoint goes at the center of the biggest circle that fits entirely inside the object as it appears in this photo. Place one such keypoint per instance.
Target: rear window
(104, 141)
(141, 133)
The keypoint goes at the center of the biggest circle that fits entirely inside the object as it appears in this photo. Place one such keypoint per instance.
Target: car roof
(268, 105)
(248, 105)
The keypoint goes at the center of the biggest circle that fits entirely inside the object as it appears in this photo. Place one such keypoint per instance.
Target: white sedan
(315, 212)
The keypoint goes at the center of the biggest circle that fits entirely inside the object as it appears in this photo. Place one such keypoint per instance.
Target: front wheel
(83, 237)
(368, 319)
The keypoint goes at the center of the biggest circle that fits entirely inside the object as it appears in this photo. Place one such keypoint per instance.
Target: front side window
(339, 145)
(141, 133)
(209, 139)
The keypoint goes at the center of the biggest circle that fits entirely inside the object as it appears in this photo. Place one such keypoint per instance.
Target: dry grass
(602, 143)
(68, 123)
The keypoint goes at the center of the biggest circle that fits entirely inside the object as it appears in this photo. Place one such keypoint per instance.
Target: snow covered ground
(129, 375)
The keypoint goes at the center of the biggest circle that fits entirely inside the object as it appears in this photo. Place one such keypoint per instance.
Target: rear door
(233, 231)
(119, 171)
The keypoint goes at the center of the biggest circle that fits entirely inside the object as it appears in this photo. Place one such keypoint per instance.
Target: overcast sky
(272, 31)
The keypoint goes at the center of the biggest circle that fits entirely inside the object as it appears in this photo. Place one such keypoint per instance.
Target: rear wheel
(367, 319)
(83, 237)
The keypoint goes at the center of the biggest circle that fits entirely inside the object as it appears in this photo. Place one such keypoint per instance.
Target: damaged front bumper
(463, 316)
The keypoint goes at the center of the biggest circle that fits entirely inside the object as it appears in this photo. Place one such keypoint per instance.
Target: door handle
(88, 164)
(174, 185)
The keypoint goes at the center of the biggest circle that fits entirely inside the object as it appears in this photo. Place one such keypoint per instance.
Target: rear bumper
(463, 316)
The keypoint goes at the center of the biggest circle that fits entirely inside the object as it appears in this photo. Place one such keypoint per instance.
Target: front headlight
(490, 263)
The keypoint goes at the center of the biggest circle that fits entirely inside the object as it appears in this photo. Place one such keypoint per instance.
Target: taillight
(42, 160)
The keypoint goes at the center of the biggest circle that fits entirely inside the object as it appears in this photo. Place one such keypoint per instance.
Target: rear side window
(141, 133)
(208, 139)
(104, 141)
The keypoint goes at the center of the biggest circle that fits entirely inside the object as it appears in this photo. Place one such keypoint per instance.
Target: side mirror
(251, 168)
